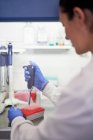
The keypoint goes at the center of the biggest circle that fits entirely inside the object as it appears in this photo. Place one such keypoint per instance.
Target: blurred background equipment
(11, 100)
(3, 77)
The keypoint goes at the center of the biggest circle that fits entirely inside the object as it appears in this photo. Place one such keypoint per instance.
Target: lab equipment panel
(5, 134)
(29, 10)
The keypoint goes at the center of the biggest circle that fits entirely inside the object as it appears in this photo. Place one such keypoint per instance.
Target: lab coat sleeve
(52, 92)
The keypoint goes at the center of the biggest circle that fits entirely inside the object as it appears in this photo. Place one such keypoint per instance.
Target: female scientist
(73, 115)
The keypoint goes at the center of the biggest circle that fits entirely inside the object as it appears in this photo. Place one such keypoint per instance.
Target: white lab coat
(73, 115)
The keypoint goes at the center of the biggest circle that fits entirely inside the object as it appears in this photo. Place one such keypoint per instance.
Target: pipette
(30, 83)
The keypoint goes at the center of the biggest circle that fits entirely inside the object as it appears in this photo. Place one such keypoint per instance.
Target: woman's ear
(79, 14)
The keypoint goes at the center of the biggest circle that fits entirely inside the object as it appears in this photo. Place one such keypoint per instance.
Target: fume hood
(29, 10)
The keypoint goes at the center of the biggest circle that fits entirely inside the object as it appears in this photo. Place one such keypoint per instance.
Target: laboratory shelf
(31, 47)
(14, 50)
(49, 47)
(52, 47)
(43, 49)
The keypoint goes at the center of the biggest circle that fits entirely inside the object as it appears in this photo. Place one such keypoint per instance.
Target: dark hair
(68, 5)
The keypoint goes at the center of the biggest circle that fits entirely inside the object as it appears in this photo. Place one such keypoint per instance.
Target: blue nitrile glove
(13, 113)
(39, 80)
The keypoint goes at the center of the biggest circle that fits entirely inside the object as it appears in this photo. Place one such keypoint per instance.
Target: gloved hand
(39, 80)
(13, 113)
